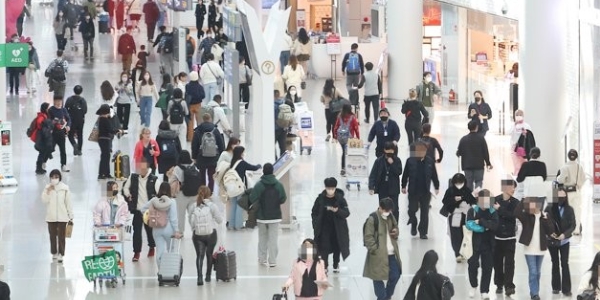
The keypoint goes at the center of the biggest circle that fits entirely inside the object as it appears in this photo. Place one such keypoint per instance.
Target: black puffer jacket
(319, 211)
(165, 162)
(450, 204)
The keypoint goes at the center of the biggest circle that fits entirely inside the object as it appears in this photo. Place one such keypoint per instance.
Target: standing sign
(596, 194)
(333, 43)
(6, 156)
(14, 55)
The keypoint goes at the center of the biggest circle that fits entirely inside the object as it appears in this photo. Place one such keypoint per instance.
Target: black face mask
(562, 201)
(477, 99)
(389, 155)
(384, 119)
(114, 193)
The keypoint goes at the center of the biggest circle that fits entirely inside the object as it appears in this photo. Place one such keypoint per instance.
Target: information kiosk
(281, 170)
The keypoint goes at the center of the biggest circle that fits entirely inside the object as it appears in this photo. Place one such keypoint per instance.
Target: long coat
(341, 224)
(377, 264)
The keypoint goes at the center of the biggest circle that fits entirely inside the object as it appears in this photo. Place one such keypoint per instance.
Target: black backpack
(375, 225)
(270, 197)
(189, 47)
(168, 148)
(58, 72)
(75, 108)
(176, 112)
(191, 180)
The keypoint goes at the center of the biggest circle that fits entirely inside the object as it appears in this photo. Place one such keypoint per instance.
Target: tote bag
(466, 248)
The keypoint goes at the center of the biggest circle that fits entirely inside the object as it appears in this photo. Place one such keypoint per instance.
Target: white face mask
(459, 186)
(124, 79)
(330, 192)
(519, 118)
(293, 93)
(385, 214)
(428, 79)
(147, 77)
(54, 181)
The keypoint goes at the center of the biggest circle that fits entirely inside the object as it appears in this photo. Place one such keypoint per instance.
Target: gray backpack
(209, 147)
(343, 132)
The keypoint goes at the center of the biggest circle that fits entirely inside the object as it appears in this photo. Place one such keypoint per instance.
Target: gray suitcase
(171, 265)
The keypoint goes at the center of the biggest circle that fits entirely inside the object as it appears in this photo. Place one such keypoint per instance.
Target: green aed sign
(14, 55)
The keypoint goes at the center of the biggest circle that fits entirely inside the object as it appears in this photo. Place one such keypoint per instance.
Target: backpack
(32, 128)
(157, 218)
(75, 109)
(189, 47)
(233, 183)
(343, 132)
(375, 226)
(270, 199)
(191, 181)
(166, 42)
(58, 72)
(208, 109)
(353, 65)
(447, 289)
(208, 146)
(285, 117)
(176, 112)
(202, 217)
(168, 148)
(336, 105)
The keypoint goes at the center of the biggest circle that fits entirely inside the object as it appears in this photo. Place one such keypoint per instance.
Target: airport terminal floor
(32, 274)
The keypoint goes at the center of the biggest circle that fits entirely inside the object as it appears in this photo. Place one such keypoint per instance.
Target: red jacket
(138, 152)
(126, 44)
(41, 117)
(354, 130)
(151, 12)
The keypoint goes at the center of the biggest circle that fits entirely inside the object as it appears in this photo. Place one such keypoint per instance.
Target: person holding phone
(480, 111)
(147, 150)
(456, 203)
(308, 275)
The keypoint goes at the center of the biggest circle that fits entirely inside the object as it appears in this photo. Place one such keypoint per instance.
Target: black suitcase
(103, 27)
(122, 165)
(226, 266)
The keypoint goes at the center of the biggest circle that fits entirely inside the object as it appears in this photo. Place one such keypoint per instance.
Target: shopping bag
(105, 264)
(466, 248)
(94, 134)
(69, 230)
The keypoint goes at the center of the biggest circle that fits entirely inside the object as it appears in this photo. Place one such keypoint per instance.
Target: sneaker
(485, 296)
(366, 121)
(472, 292)
(151, 252)
(272, 265)
(40, 172)
(65, 168)
(535, 297)
(136, 257)
(567, 294)
(336, 268)
(59, 258)
(54, 256)
(510, 291)
(499, 290)
(328, 138)
(413, 231)
(459, 259)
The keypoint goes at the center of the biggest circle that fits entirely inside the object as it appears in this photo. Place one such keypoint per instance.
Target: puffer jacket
(58, 203)
(102, 211)
(168, 204)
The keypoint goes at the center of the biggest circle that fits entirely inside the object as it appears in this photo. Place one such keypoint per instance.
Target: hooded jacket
(268, 209)
(58, 203)
(341, 230)
(164, 203)
(102, 211)
(220, 119)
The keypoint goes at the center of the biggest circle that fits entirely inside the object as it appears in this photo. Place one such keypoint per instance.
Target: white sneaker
(472, 292)
(44, 166)
(485, 296)
(54, 256)
(60, 258)
(65, 168)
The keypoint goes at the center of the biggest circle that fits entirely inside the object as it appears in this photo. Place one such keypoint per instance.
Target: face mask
(147, 77)
(477, 99)
(459, 186)
(519, 118)
(389, 155)
(54, 181)
(114, 193)
(428, 79)
(307, 252)
(384, 119)
(385, 214)
(330, 192)
(15, 40)
(562, 201)
(293, 93)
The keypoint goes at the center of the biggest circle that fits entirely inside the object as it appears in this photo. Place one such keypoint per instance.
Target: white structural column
(543, 77)
(405, 37)
(2, 70)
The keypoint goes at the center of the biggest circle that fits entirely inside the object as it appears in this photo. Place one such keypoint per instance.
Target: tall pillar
(542, 92)
(404, 37)
(257, 6)
(2, 70)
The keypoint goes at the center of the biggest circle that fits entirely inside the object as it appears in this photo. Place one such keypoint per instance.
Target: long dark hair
(346, 111)
(166, 79)
(329, 87)
(237, 155)
(149, 82)
(164, 189)
(430, 259)
(481, 94)
(594, 270)
(107, 91)
(303, 36)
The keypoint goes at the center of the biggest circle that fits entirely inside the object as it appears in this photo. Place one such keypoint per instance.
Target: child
(308, 264)
(432, 143)
(142, 58)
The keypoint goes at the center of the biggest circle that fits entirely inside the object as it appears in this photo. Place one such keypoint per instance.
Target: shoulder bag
(219, 78)
(95, 133)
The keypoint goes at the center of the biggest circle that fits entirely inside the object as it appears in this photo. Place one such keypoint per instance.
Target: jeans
(268, 234)
(394, 196)
(76, 135)
(431, 113)
(280, 139)
(14, 76)
(344, 151)
(60, 138)
(284, 58)
(56, 230)
(204, 245)
(207, 171)
(330, 118)
(235, 216)
(487, 264)
(385, 292)
(371, 101)
(419, 202)
(137, 232)
(88, 44)
(162, 237)
(105, 149)
(188, 61)
(211, 89)
(456, 237)
(146, 110)
(474, 178)
(123, 111)
(563, 285)
(534, 264)
(352, 80)
(504, 263)
(413, 130)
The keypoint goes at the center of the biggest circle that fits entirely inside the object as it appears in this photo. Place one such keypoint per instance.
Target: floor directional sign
(14, 55)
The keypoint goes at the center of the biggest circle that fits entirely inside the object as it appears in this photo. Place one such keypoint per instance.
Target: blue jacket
(60, 116)
(483, 233)
(378, 130)
(411, 172)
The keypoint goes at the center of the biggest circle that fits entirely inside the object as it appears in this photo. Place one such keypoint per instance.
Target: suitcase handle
(172, 247)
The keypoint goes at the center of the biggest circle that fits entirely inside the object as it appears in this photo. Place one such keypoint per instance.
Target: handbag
(466, 248)
(94, 134)
(162, 101)
(589, 294)
(219, 79)
(280, 296)
(520, 150)
(551, 241)
(69, 229)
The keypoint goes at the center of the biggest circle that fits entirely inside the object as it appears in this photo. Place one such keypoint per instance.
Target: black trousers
(105, 149)
(61, 42)
(41, 159)
(419, 202)
(123, 111)
(280, 139)
(413, 130)
(330, 118)
(374, 102)
(394, 196)
(504, 263)
(456, 237)
(199, 24)
(344, 151)
(245, 94)
(138, 222)
(14, 76)
(76, 135)
(204, 245)
(88, 45)
(207, 171)
(486, 256)
(560, 284)
(60, 138)
(336, 259)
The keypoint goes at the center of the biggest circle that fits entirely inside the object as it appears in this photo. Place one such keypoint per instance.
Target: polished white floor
(24, 245)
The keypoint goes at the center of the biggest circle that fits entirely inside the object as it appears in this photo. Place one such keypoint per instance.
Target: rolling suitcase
(122, 165)
(226, 266)
(171, 265)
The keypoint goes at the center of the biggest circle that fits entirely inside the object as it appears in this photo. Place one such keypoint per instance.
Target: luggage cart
(110, 238)
(357, 163)
(305, 121)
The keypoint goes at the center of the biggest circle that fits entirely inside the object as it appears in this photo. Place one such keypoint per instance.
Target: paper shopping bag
(69, 230)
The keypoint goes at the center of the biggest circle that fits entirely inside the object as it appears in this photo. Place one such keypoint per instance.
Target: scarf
(309, 287)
